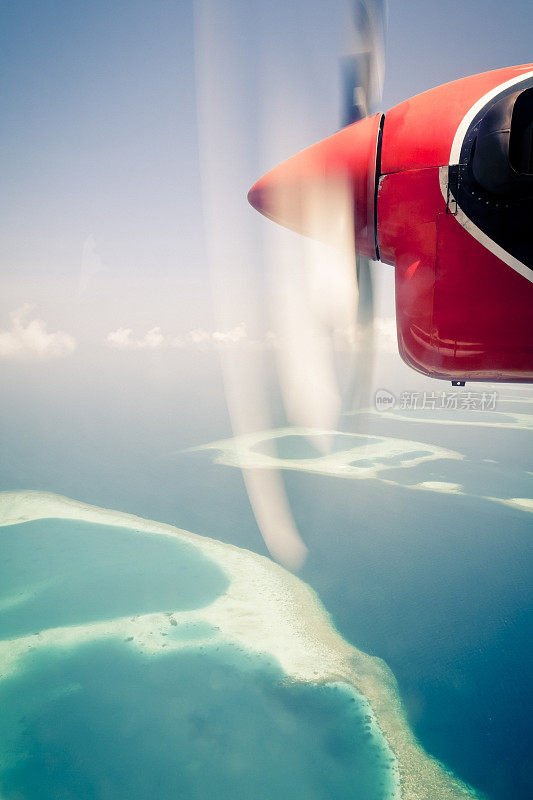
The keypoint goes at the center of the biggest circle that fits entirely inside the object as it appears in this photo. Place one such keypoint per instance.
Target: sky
(103, 225)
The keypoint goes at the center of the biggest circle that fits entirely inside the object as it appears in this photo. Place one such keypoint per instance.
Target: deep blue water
(77, 572)
(440, 587)
(105, 722)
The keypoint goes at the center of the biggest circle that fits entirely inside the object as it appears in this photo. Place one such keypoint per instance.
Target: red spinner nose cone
(258, 195)
(312, 191)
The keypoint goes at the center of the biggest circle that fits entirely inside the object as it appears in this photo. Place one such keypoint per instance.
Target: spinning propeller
(254, 103)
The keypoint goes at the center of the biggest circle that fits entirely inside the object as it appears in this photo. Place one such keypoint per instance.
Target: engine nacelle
(442, 189)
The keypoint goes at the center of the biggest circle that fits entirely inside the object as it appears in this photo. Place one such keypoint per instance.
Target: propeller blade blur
(227, 160)
(254, 104)
(363, 59)
(362, 71)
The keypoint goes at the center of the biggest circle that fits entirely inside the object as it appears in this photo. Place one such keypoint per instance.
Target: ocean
(435, 580)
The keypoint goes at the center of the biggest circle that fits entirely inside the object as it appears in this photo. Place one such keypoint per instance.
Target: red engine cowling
(442, 188)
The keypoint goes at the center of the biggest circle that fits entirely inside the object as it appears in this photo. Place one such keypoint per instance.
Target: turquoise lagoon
(105, 721)
(146, 698)
(57, 572)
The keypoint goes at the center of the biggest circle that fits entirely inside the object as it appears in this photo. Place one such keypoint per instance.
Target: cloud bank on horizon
(154, 339)
(27, 336)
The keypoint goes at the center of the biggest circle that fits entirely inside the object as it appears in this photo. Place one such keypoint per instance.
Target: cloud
(29, 338)
(237, 334)
(91, 263)
(354, 339)
(341, 339)
(154, 339)
(123, 339)
(386, 336)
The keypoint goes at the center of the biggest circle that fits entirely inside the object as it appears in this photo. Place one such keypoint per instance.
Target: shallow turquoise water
(106, 722)
(65, 572)
(303, 447)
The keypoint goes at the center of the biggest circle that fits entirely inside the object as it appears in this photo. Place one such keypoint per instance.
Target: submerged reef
(390, 460)
(265, 610)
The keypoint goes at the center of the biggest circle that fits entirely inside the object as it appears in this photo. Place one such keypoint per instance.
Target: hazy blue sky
(99, 141)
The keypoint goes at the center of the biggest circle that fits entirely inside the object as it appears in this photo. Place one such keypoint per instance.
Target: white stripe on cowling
(476, 108)
(455, 156)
